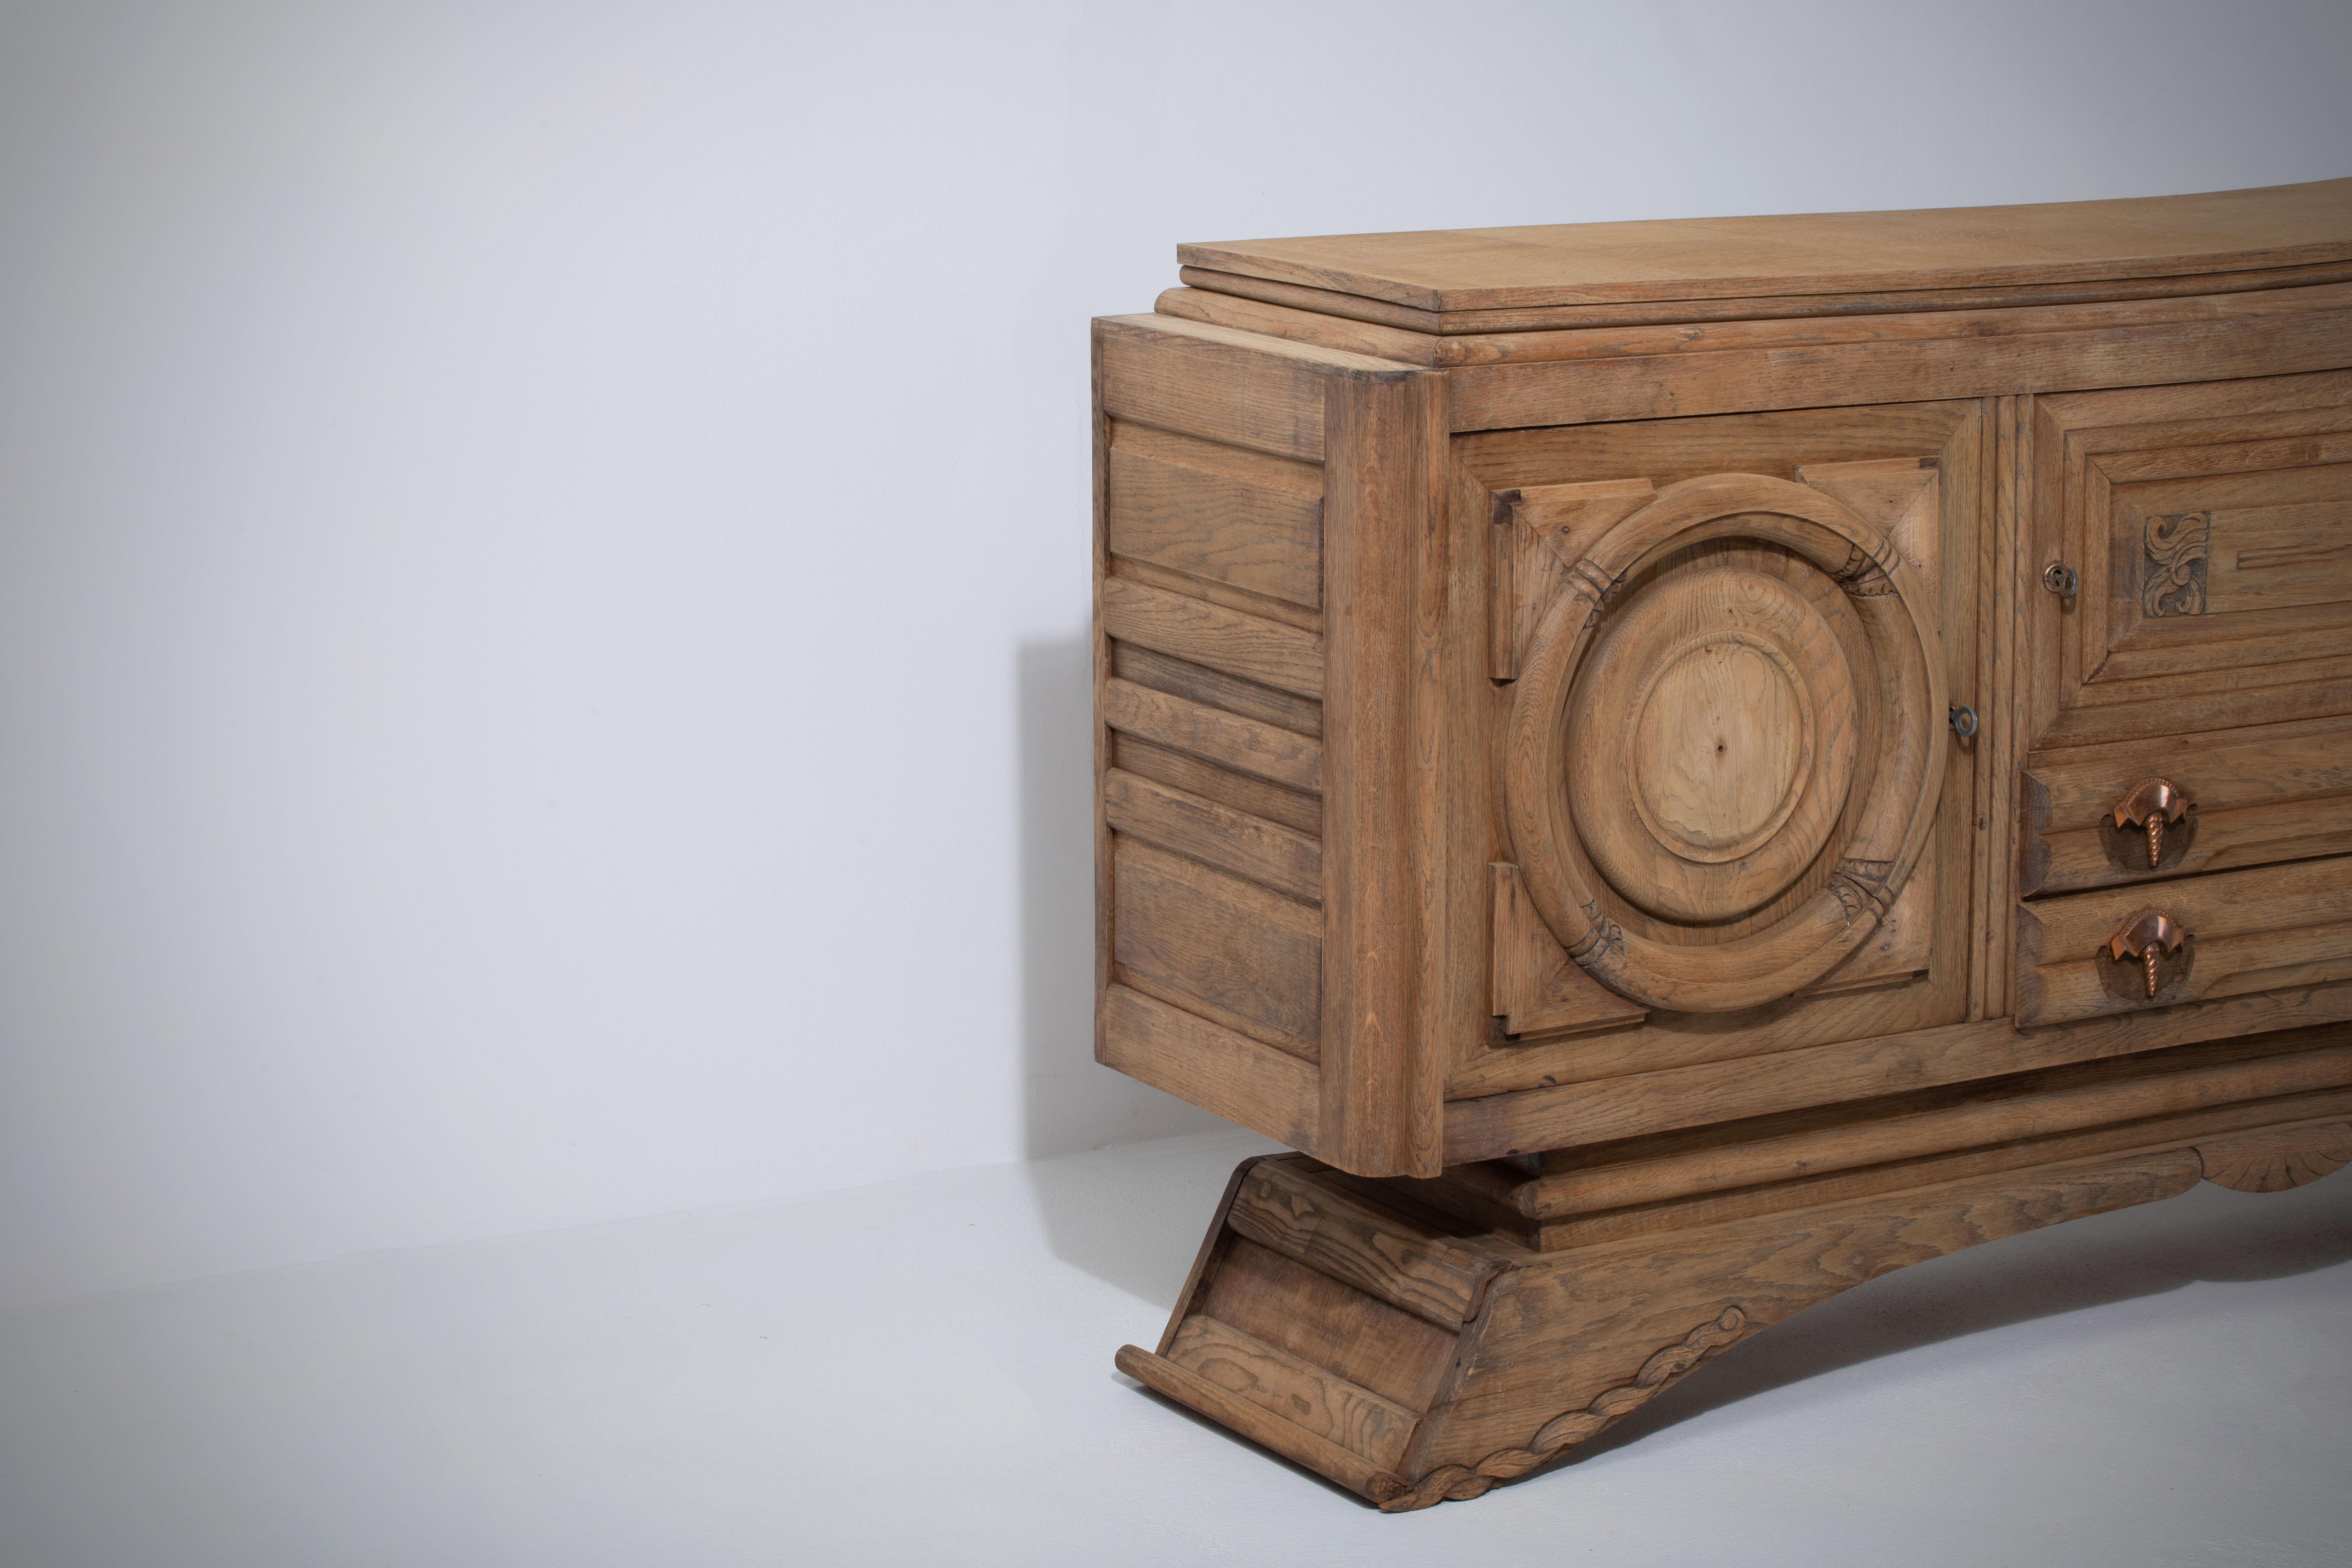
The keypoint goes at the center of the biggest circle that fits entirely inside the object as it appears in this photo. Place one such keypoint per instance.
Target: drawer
(2208, 530)
(2243, 797)
(2222, 934)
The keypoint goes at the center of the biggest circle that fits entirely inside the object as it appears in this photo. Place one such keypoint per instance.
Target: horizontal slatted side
(1217, 511)
(1222, 1071)
(1250, 846)
(1250, 646)
(1245, 745)
(1198, 683)
(1291, 808)
(1234, 950)
(1220, 384)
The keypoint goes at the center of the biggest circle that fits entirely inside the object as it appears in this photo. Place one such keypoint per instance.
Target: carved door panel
(2207, 530)
(1739, 671)
(1731, 813)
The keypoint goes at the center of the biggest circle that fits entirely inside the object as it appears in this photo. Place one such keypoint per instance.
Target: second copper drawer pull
(2154, 803)
(2146, 936)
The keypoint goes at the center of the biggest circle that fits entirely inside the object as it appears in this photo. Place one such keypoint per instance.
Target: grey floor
(921, 1374)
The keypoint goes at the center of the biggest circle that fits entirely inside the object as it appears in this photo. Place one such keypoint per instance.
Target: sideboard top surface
(1820, 254)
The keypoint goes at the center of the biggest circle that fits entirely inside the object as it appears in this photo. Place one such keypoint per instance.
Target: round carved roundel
(1727, 672)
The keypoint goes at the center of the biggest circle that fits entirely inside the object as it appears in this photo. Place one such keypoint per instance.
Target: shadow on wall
(1068, 1101)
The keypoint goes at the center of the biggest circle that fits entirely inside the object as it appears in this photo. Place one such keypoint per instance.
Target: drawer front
(2191, 938)
(2209, 528)
(2109, 817)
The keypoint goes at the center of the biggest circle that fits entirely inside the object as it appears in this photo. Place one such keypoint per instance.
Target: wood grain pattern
(1538, 988)
(1566, 1342)
(2259, 795)
(1216, 512)
(1550, 839)
(1257, 1423)
(2279, 1159)
(1263, 852)
(1686, 327)
(1236, 388)
(1599, 1110)
(1209, 687)
(2247, 931)
(2239, 341)
(2123, 1139)
(1572, 1325)
(1814, 254)
(1880, 988)
(1252, 1084)
(1329, 1323)
(1203, 935)
(1590, 1181)
(1331, 1230)
(1381, 1099)
(1267, 751)
(1281, 1385)
(1255, 649)
(1586, 748)
(2124, 663)
(1295, 809)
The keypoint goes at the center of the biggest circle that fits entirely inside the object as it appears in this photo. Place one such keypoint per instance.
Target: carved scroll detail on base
(2274, 1161)
(1459, 1483)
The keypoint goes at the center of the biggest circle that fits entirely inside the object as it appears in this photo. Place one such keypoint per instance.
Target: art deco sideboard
(1686, 765)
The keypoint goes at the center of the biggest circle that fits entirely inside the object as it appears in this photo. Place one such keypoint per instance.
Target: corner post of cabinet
(1388, 593)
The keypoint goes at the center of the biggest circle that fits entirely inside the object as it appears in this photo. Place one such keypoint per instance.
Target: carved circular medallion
(1687, 744)
(1712, 746)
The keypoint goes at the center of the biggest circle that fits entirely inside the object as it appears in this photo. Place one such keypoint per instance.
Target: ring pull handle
(2155, 804)
(2146, 936)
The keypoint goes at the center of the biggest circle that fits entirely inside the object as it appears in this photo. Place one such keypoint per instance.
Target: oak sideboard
(1686, 765)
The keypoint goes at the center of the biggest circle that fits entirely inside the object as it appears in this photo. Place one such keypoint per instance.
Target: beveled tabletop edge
(1823, 254)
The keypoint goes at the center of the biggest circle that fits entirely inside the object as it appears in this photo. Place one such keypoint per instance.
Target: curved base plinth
(1413, 1358)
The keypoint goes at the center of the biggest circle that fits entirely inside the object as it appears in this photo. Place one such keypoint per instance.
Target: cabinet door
(2208, 531)
(1730, 815)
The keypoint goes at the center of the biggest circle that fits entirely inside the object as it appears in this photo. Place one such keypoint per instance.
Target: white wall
(542, 550)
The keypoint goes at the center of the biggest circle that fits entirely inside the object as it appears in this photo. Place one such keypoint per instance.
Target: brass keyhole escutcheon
(2154, 804)
(2147, 936)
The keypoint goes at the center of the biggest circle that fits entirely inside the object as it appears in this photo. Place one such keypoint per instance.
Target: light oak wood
(2275, 1161)
(1280, 1384)
(1264, 651)
(1815, 254)
(1687, 765)
(2252, 797)
(1452, 337)
(1560, 1344)
(2247, 931)
(1216, 512)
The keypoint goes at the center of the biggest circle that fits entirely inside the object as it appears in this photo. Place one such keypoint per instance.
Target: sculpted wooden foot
(1414, 1358)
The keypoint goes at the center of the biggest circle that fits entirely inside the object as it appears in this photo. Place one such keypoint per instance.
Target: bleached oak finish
(1688, 764)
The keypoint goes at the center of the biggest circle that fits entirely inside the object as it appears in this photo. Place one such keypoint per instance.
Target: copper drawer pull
(2146, 936)
(2155, 802)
